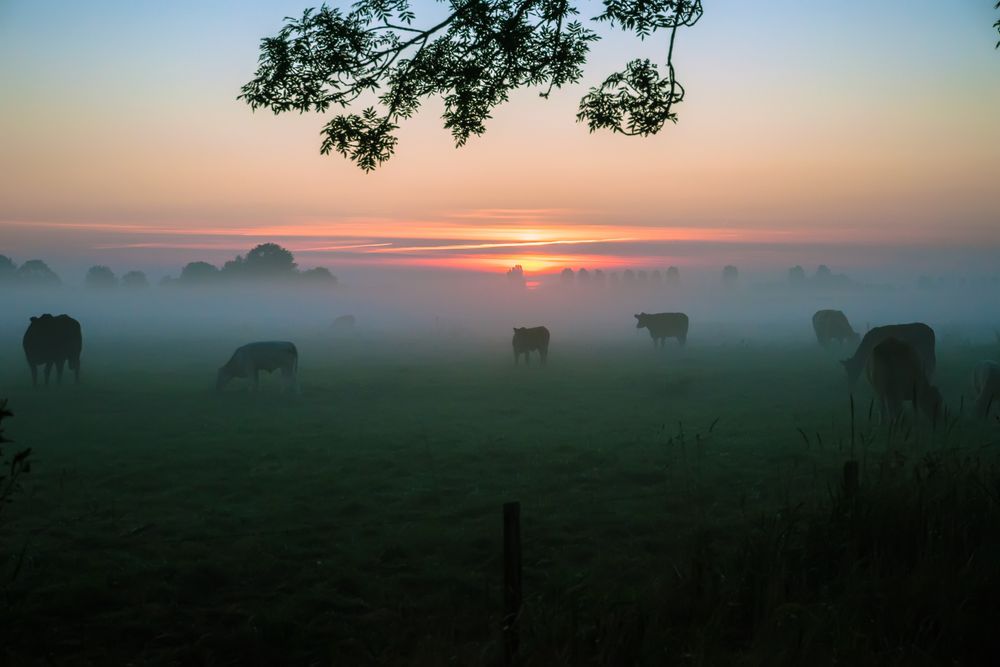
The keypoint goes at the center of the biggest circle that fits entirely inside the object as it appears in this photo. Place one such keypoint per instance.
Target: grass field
(360, 521)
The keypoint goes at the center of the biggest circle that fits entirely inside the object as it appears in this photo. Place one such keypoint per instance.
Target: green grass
(360, 522)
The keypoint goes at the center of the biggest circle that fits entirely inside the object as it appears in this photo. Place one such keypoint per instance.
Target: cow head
(641, 323)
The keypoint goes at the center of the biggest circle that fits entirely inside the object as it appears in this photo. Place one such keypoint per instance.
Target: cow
(917, 334)
(896, 372)
(664, 325)
(344, 323)
(249, 360)
(529, 339)
(833, 325)
(53, 341)
(986, 381)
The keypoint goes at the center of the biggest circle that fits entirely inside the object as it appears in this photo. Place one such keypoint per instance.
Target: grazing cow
(249, 360)
(528, 339)
(53, 340)
(896, 373)
(664, 325)
(344, 323)
(917, 334)
(833, 325)
(986, 381)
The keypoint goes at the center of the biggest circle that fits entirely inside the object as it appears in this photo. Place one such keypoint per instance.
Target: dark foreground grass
(678, 508)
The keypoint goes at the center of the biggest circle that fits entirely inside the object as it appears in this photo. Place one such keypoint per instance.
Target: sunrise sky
(855, 133)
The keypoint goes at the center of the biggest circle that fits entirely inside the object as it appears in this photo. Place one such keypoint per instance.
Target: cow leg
(48, 372)
(34, 375)
(59, 370)
(517, 357)
(543, 353)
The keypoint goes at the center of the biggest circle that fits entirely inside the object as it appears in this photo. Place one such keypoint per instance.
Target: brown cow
(529, 339)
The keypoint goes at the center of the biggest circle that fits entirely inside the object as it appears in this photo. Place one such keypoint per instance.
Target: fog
(445, 310)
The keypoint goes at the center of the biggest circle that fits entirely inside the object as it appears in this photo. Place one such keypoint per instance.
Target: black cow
(53, 340)
(528, 339)
(664, 325)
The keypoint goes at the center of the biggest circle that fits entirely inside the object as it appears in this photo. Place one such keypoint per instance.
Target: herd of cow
(899, 359)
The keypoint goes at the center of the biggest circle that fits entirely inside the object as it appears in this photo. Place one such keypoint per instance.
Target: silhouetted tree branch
(473, 58)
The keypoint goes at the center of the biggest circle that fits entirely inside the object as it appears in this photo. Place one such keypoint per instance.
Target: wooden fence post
(511, 580)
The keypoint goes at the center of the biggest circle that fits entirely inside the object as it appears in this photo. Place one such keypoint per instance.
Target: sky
(855, 134)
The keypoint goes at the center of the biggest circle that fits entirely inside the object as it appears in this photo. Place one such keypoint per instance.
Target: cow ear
(33, 318)
(636, 317)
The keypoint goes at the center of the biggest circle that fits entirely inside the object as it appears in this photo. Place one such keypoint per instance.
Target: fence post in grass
(511, 580)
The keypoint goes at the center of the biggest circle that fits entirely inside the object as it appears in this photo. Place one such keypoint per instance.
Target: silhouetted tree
(796, 275)
(656, 277)
(100, 276)
(583, 276)
(473, 59)
(730, 275)
(516, 273)
(198, 273)
(642, 276)
(599, 276)
(36, 272)
(567, 275)
(673, 275)
(628, 277)
(614, 279)
(135, 279)
(269, 260)
(8, 269)
(318, 275)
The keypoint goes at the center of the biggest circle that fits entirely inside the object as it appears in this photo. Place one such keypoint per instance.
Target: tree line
(267, 262)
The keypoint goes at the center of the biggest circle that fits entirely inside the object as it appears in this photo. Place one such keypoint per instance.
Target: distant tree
(198, 273)
(269, 260)
(614, 279)
(583, 276)
(642, 276)
(100, 276)
(673, 275)
(628, 277)
(823, 275)
(599, 276)
(37, 272)
(135, 279)
(796, 275)
(730, 275)
(516, 273)
(656, 277)
(8, 268)
(234, 268)
(567, 275)
(318, 275)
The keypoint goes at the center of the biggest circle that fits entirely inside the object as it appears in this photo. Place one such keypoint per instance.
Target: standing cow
(529, 339)
(986, 381)
(833, 325)
(896, 372)
(53, 340)
(917, 334)
(664, 325)
(249, 360)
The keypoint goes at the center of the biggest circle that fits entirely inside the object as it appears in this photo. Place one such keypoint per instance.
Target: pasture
(360, 521)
